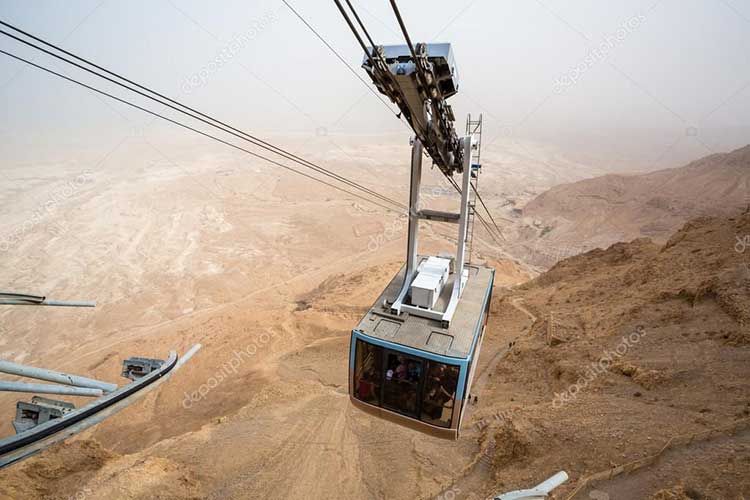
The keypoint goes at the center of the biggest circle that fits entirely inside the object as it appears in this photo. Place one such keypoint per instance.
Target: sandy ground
(269, 274)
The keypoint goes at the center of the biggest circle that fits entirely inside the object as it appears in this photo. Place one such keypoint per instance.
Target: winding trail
(478, 472)
(515, 303)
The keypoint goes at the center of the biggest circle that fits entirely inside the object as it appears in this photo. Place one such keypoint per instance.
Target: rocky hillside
(631, 346)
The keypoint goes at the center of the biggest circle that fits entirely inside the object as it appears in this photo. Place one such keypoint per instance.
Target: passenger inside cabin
(366, 389)
(414, 371)
(440, 388)
(400, 390)
(408, 401)
(401, 369)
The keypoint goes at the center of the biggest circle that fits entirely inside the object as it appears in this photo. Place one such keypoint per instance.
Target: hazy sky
(594, 75)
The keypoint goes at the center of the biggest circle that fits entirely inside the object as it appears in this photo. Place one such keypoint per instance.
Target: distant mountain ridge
(611, 208)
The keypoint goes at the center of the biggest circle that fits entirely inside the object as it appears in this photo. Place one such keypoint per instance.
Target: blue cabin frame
(466, 366)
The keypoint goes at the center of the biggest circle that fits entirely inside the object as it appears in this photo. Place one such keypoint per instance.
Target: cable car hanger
(414, 354)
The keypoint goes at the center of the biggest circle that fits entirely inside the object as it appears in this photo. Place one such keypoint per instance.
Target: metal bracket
(135, 367)
(400, 305)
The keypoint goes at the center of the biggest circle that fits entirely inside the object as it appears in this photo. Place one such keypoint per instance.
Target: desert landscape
(231, 183)
(227, 253)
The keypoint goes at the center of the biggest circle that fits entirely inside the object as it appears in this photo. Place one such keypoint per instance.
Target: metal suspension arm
(53, 376)
(49, 389)
(25, 299)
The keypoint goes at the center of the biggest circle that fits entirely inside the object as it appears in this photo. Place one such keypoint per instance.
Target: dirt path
(472, 483)
(515, 302)
(703, 462)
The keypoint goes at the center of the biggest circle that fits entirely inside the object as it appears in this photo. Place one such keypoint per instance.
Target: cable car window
(439, 394)
(401, 385)
(368, 372)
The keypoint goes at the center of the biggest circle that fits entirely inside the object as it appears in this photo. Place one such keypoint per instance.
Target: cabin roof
(426, 334)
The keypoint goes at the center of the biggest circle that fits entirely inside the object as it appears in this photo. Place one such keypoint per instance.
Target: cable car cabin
(410, 369)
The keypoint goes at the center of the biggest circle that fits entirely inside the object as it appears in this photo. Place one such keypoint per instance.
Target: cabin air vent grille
(387, 328)
(440, 341)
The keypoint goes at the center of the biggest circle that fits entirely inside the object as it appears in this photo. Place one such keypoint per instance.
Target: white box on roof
(432, 275)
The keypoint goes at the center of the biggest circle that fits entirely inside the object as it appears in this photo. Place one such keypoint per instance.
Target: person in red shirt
(366, 387)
